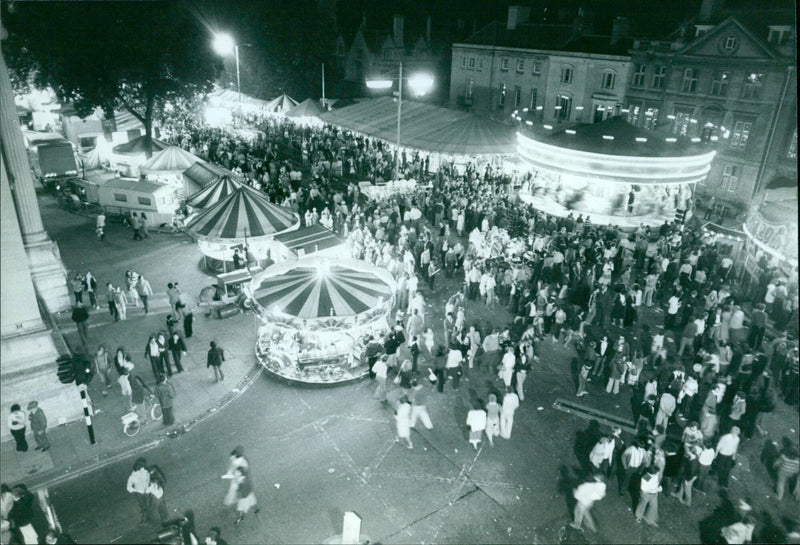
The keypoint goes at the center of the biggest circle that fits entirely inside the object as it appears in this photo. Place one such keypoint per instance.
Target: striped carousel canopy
(213, 193)
(243, 213)
(319, 289)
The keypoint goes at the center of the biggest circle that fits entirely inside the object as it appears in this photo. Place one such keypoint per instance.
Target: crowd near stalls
(655, 313)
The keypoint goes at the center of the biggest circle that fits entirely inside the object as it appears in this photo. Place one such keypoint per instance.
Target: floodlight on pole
(379, 83)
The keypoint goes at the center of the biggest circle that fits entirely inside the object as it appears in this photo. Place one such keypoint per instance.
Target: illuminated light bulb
(570, 131)
(607, 137)
(624, 110)
(695, 139)
(715, 138)
(548, 127)
(529, 122)
(641, 139)
(539, 108)
(670, 139)
(692, 121)
(601, 108)
(670, 116)
(525, 110)
(579, 108)
(722, 128)
(558, 107)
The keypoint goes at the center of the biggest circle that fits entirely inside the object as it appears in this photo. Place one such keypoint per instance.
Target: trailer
(122, 197)
(54, 162)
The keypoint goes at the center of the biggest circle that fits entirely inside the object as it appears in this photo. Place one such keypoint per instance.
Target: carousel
(244, 220)
(317, 316)
(611, 172)
(213, 192)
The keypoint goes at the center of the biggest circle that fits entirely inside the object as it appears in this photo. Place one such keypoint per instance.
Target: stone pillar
(44, 259)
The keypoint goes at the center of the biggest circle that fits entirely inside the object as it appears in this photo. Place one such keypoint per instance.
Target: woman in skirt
(237, 460)
(245, 498)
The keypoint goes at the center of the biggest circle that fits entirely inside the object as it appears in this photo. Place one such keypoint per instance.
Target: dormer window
(779, 34)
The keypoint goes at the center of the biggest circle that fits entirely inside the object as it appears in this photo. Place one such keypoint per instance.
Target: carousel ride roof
(243, 213)
(172, 158)
(312, 288)
(214, 192)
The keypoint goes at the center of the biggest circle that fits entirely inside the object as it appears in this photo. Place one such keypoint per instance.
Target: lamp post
(224, 45)
(419, 84)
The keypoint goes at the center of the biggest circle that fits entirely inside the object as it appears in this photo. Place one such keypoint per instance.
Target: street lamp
(225, 45)
(419, 84)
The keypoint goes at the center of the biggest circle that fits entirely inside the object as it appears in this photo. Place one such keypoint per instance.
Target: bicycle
(132, 424)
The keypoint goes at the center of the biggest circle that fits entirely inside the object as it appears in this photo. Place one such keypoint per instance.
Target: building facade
(731, 84)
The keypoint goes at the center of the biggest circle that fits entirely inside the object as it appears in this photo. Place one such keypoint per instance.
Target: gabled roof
(721, 28)
(525, 36)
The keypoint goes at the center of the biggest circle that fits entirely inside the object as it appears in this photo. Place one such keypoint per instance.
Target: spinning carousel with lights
(317, 315)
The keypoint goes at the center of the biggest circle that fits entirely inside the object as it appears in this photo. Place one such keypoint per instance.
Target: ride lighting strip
(616, 168)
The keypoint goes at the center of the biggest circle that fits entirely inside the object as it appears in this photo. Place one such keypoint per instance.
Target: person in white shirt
(507, 367)
(510, 404)
(585, 495)
(726, 455)
(476, 421)
(381, 371)
(138, 482)
(453, 366)
(648, 498)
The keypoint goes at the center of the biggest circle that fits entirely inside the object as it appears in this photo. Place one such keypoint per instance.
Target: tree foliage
(136, 56)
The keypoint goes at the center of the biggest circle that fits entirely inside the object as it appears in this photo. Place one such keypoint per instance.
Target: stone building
(728, 79)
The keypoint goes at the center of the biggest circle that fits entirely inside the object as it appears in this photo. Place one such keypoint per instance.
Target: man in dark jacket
(81, 316)
(214, 360)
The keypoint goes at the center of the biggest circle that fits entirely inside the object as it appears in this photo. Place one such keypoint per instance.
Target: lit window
(689, 80)
(502, 101)
(730, 178)
(504, 64)
(740, 135)
(719, 87)
(752, 86)
(470, 89)
(640, 75)
(659, 77)
(682, 117)
(566, 74)
(517, 95)
(650, 118)
(791, 151)
(563, 107)
(520, 65)
(634, 111)
(532, 105)
(729, 44)
(608, 80)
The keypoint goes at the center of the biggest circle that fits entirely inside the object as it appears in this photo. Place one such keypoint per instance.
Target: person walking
(165, 392)
(510, 405)
(633, 459)
(125, 369)
(77, 287)
(381, 371)
(100, 225)
(237, 460)
(102, 365)
(419, 411)
(727, 446)
(647, 508)
(188, 317)
(786, 467)
(245, 497)
(403, 422)
(586, 494)
(213, 537)
(90, 287)
(38, 422)
(476, 422)
(492, 419)
(156, 493)
(214, 360)
(22, 515)
(152, 351)
(17, 426)
(81, 316)
(178, 349)
(120, 303)
(521, 369)
(136, 225)
(144, 290)
(138, 483)
(112, 306)
(163, 352)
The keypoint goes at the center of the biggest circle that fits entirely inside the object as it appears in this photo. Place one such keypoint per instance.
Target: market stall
(314, 239)
(128, 157)
(280, 105)
(317, 315)
(306, 113)
(245, 218)
(167, 167)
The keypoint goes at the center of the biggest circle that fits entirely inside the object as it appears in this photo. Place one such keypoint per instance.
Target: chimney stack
(397, 34)
(620, 29)
(517, 15)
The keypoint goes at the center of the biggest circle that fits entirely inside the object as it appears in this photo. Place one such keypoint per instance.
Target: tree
(137, 56)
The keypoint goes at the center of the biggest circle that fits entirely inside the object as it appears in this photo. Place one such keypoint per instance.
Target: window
(682, 117)
(520, 65)
(534, 92)
(740, 135)
(608, 80)
(566, 74)
(752, 86)
(689, 80)
(650, 118)
(563, 107)
(88, 141)
(517, 95)
(778, 34)
(502, 101)
(730, 178)
(659, 77)
(470, 89)
(121, 197)
(729, 44)
(145, 201)
(633, 114)
(463, 63)
(472, 63)
(699, 30)
(504, 64)
(719, 87)
(639, 75)
(537, 68)
(791, 151)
